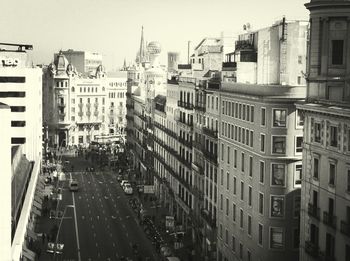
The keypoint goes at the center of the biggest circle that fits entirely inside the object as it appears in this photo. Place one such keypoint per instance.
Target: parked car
(73, 185)
(123, 182)
(128, 189)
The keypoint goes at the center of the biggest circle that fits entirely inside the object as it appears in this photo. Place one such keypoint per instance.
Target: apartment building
(260, 144)
(21, 150)
(325, 204)
(80, 109)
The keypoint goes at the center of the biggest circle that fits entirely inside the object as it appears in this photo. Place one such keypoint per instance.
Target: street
(106, 226)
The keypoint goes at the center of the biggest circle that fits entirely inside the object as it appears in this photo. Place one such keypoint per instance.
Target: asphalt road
(103, 225)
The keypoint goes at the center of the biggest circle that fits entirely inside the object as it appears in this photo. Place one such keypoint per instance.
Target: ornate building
(325, 205)
(81, 109)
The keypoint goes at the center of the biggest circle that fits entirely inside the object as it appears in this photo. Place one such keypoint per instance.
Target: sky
(113, 27)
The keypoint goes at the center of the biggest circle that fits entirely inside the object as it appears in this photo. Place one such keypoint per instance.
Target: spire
(142, 48)
(124, 65)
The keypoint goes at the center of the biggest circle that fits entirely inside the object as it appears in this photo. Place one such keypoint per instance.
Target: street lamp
(55, 246)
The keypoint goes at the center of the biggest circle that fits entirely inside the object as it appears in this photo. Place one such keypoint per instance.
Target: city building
(260, 143)
(20, 150)
(325, 193)
(81, 109)
(173, 61)
(84, 62)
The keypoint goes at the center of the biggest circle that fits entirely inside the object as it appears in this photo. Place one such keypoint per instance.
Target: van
(73, 185)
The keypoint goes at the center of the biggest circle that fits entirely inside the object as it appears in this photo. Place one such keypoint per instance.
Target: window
(296, 207)
(296, 238)
(337, 52)
(331, 180)
(263, 116)
(220, 231)
(279, 144)
(234, 185)
(250, 196)
(18, 140)
(73, 90)
(300, 59)
(298, 174)
(299, 144)
(242, 162)
(278, 174)
(277, 206)
(226, 236)
(234, 212)
(233, 244)
(240, 251)
(227, 180)
(262, 172)
(222, 151)
(72, 119)
(261, 203)
(249, 225)
(81, 139)
(260, 234)
(317, 132)
(262, 142)
(222, 177)
(334, 136)
(330, 246)
(252, 114)
(18, 123)
(241, 221)
(221, 202)
(276, 238)
(235, 159)
(227, 207)
(279, 118)
(228, 154)
(250, 166)
(249, 256)
(348, 183)
(316, 168)
(73, 101)
(300, 118)
(242, 190)
(18, 108)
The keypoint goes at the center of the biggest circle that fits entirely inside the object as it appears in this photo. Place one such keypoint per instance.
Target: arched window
(73, 90)
(103, 88)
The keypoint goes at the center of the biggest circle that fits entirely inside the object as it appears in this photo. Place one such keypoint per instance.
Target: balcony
(329, 220)
(214, 83)
(198, 145)
(206, 215)
(170, 133)
(184, 161)
(313, 211)
(185, 105)
(244, 45)
(229, 65)
(211, 157)
(88, 105)
(311, 249)
(345, 228)
(200, 107)
(61, 105)
(96, 105)
(184, 66)
(185, 142)
(188, 124)
(210, 132)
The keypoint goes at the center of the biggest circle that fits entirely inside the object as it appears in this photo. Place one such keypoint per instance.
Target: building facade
(21, 150)
(260, 144)
(325, 205)
(82, 109)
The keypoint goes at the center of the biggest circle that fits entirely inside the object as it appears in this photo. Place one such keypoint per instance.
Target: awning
(30, 255)
(36, 211)
(32, 234)
(37, 204)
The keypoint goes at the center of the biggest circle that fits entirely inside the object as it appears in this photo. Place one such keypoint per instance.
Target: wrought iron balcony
(213, 157)
(185, 105)
(185, 142)
(184, 161)
(229, 65)
(170, 133)
(329, 220)
(206, 215)
(345, 228)
(313, 211)
(200, 107)
(189, 124)
(311, 248)
(210, 132)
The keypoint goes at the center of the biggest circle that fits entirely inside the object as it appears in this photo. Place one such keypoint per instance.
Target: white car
(128, 189)
(123, 182)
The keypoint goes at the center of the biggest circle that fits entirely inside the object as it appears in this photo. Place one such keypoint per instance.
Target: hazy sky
(113, 27)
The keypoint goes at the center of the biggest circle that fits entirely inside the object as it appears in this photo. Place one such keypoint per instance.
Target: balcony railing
(200, 107)
(345, 228)
(313, 211)
(198, 145)
(229, 65)
(61, 105)
(210, 132)
(185, 105)
(329, 220)
(184, 161)
(189, 124)
(206, 215)
(170, 133)
(211, 157)
(311, 249)
(185, 142)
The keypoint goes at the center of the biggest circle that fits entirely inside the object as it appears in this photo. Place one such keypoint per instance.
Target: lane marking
(76, 227)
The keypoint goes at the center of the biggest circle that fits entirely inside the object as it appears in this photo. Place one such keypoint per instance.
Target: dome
(154, 48)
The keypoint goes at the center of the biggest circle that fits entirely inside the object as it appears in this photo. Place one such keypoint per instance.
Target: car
(73, 185)
(128, 189)
(123, 182)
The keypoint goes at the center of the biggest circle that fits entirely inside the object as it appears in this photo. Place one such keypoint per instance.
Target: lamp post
(55, 246)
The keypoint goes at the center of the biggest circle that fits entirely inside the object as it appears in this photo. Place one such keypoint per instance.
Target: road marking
(92, 226)
(93, 197)
(82, 217)
(98, 254)
(96, 244)
(113, 244)
(98, 217)
(111, 234)
(94, 234)
(106, 219)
